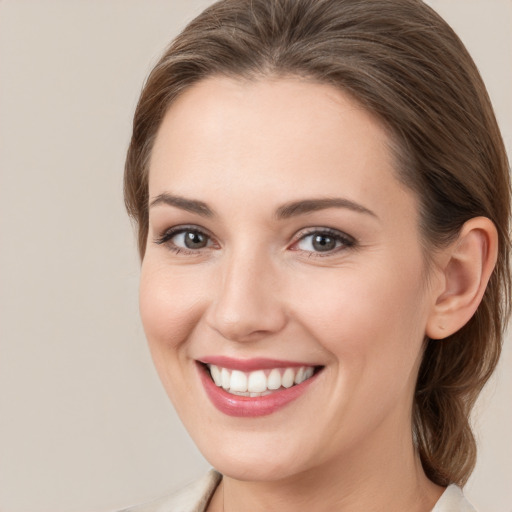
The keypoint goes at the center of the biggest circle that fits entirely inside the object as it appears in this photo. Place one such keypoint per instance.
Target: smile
(256, 387)
(260, 382)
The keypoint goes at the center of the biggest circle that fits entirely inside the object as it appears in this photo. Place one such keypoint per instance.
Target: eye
(190, 240)
(185, 239)
(326, 241)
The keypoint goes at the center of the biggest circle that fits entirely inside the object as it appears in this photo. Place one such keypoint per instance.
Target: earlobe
(468, 265)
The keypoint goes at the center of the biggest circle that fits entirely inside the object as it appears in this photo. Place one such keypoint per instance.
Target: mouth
(259, 382)
(256, 387)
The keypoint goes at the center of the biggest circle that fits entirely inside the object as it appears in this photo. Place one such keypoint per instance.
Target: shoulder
(196, 496)
(453, 500)
(192, 498)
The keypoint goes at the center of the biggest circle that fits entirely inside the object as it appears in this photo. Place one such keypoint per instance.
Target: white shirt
(196, 496)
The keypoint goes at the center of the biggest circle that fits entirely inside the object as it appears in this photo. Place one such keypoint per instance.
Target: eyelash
(345, 241)
(166, 237)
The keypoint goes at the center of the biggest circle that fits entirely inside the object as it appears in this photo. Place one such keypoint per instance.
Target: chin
(254, 469)
(253, 457)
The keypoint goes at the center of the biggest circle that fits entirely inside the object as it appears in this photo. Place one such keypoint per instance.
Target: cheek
(368, 318)
(170, 305)
(372, 326)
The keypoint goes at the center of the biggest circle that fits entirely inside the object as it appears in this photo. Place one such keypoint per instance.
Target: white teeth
(238, 381)
(308, 373)
(300, 376)
(216, 376)
(259, 382)
(304, 374)
(225, 378)
(288, 378)
(274, 379)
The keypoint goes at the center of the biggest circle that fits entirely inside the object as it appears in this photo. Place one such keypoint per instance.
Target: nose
(247, 304)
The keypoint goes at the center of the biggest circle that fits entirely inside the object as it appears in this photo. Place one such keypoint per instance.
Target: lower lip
(246, 406)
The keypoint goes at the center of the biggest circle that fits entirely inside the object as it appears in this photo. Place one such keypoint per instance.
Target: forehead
(275, 137)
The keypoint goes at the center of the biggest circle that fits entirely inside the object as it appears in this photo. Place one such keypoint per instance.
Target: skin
(259, 289)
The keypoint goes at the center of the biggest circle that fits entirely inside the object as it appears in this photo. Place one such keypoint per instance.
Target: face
(283, 289)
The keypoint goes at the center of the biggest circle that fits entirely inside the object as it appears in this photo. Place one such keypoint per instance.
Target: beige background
(84, 423)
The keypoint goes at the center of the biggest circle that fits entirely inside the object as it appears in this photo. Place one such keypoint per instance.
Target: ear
(465, 267)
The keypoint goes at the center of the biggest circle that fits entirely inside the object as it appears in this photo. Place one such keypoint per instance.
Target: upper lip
(248, 365)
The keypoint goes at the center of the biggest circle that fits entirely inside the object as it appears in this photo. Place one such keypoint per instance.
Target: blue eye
(324, 241)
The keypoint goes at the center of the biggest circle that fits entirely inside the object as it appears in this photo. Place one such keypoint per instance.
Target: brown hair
(404, 64)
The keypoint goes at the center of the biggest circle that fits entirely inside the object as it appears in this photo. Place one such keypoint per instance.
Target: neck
(385, 474)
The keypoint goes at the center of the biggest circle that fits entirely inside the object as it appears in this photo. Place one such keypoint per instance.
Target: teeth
(308, 373)
(288, 378)
(238, 381)
(300, 376)
(274, 379)
(225, 378)
(259, 382)
(216, 375)
(304, 374)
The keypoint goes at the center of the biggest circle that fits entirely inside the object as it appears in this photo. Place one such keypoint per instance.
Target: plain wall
(84, 422)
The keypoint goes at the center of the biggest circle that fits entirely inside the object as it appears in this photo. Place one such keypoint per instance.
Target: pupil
(324, 243)
(194, 240)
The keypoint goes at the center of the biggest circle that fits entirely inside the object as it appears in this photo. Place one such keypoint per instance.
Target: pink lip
(249, 365)
(245, 406)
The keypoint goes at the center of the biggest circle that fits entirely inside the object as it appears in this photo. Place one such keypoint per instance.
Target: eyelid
(347, 241)
(166, 235)
(323, 230)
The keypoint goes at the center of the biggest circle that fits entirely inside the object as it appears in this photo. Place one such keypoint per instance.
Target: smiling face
(280, 239)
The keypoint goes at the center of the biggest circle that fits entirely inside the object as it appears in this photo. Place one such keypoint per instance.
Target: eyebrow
(286, 211)
(189, 205)
(305, 206)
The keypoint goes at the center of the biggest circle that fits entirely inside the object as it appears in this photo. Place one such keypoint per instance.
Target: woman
(323, 203)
